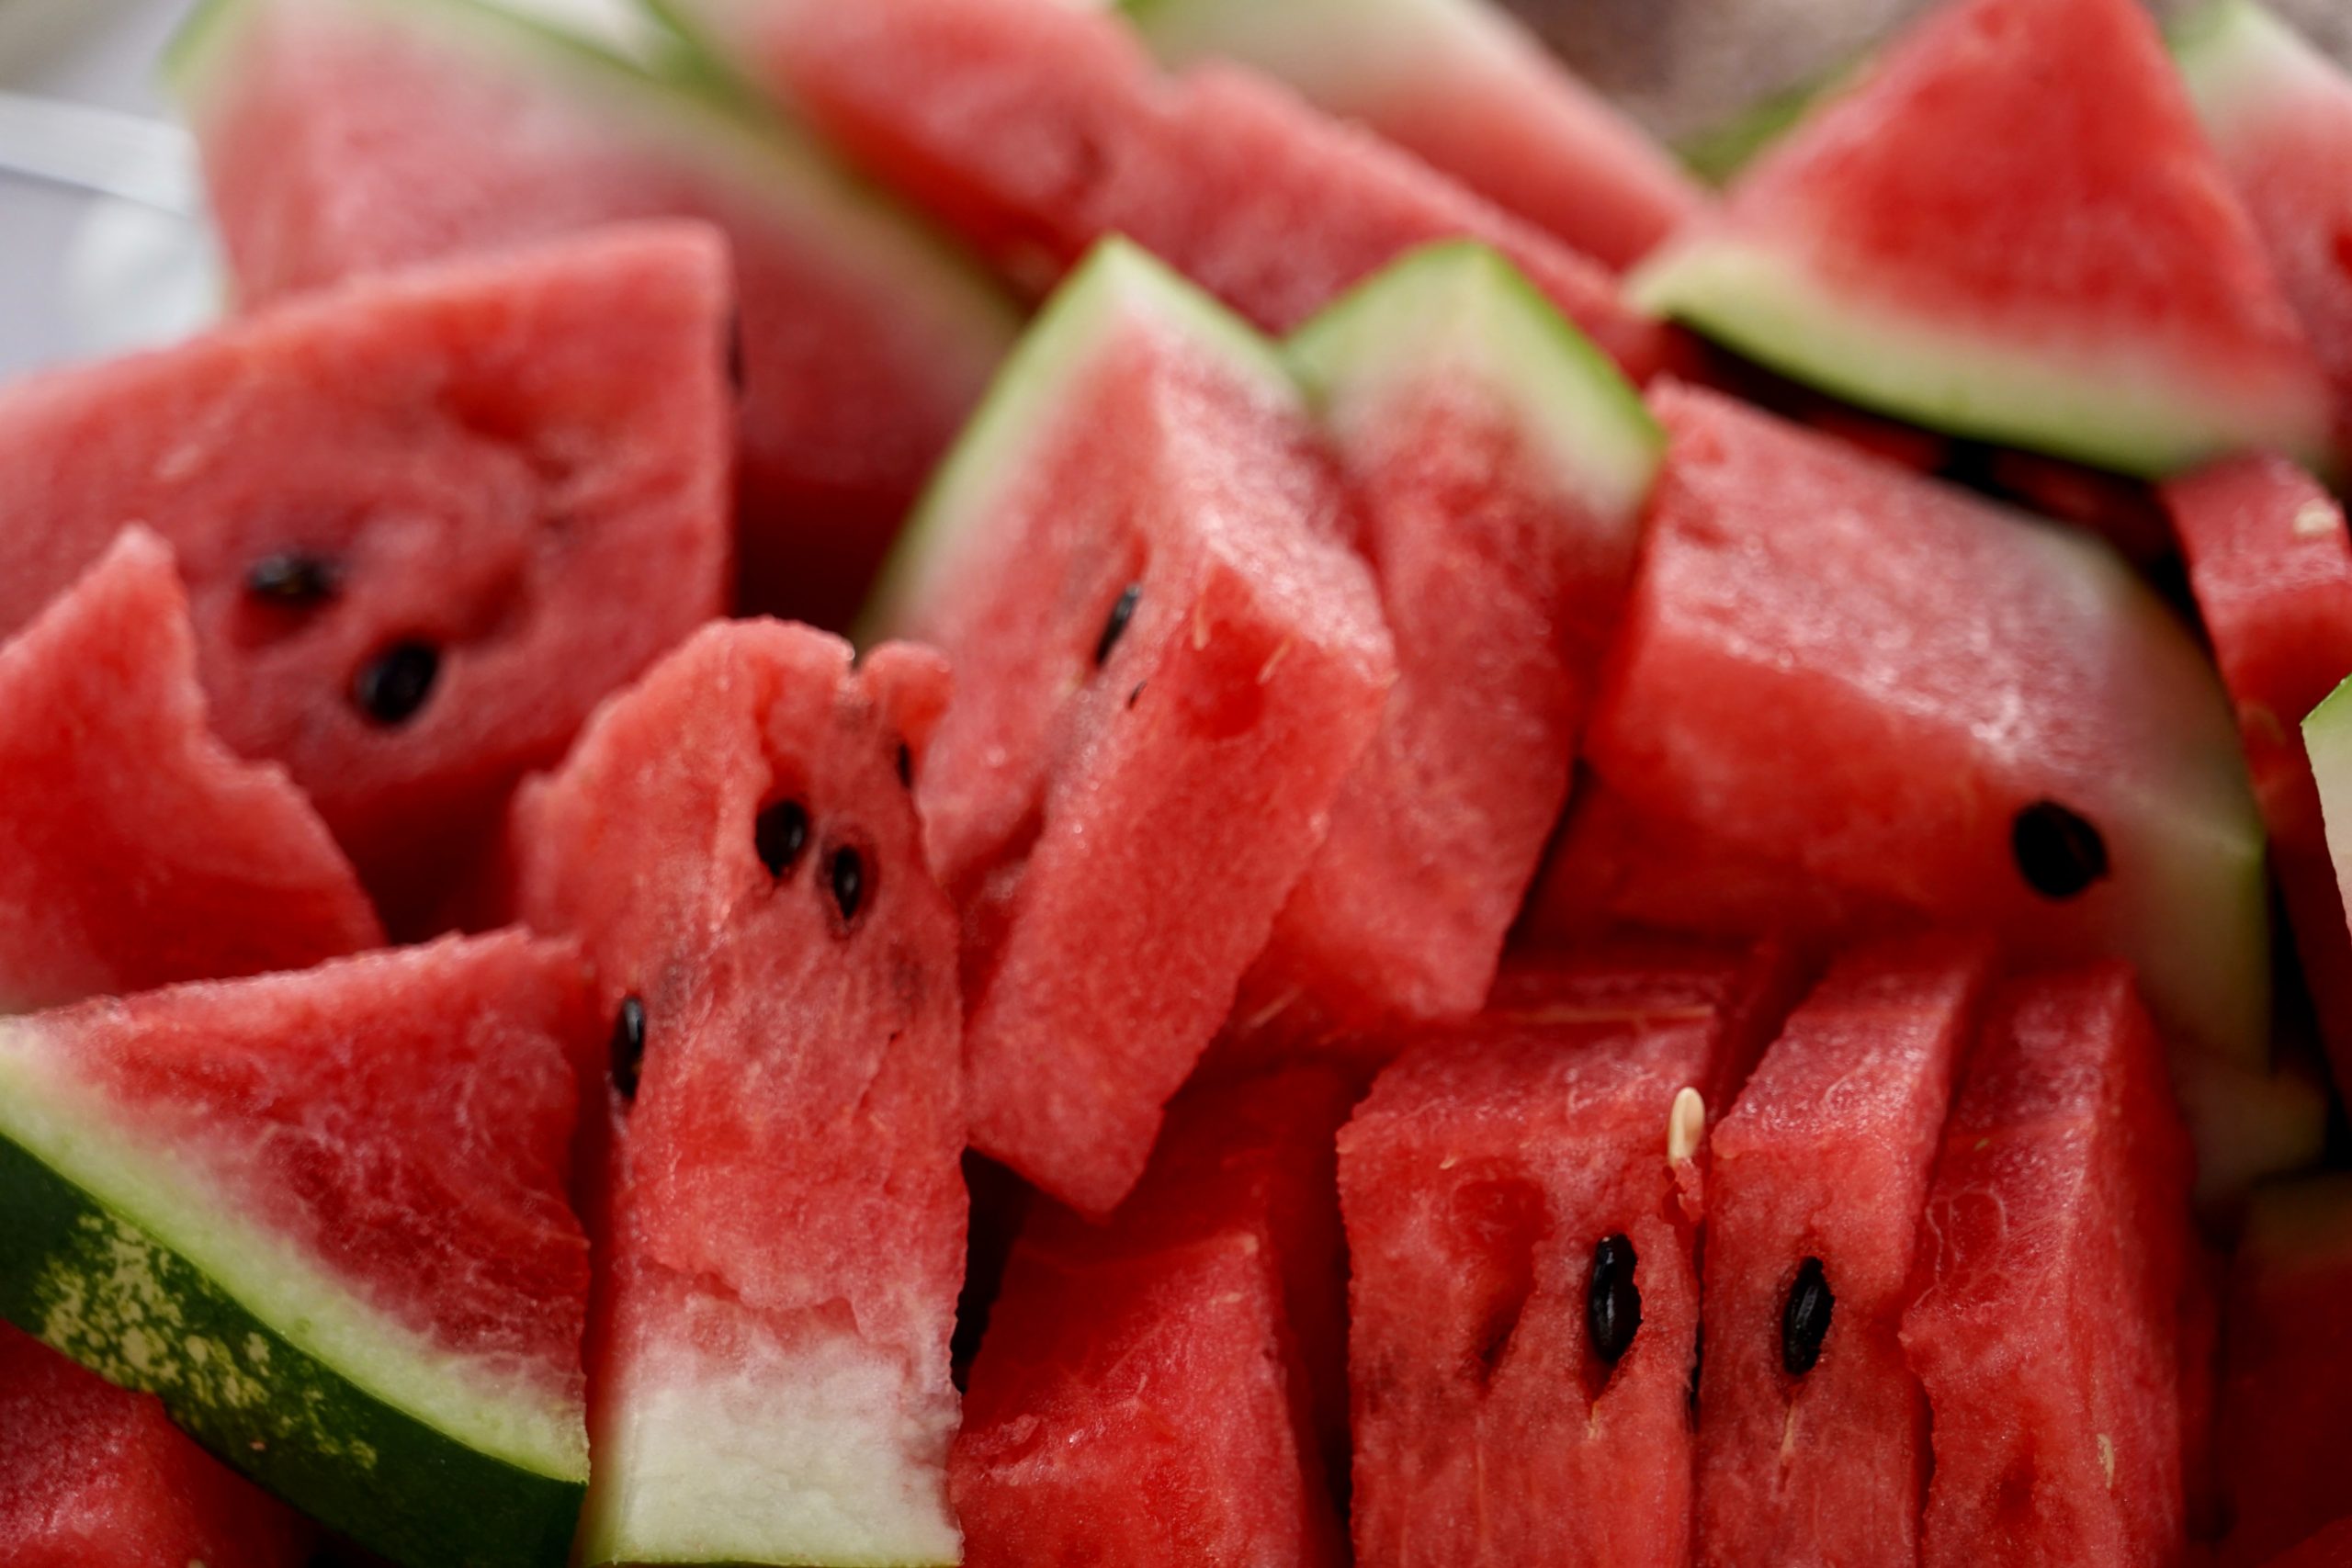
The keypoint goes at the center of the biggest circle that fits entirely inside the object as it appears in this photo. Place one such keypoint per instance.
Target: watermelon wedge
(135, 850)
(2051, 1274)
(93, 1476)
(2279, 114)
(1035, 128)
(413, 517)
(1462, 84)
(351, 136)
(328, 1227)
(2012, 227)
(1147, 1394)
(732, 841)
(1168, 662)
(1812, 1430)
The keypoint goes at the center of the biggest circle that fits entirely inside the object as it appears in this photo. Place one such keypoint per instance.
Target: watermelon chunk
(2051, 1269)
(135, 850)
(1462, 84)
(322, 1216)
(351, 136)
(2012, 227)
(1812, 1444)
(414, 516)
(1146, 1393)
(93, 1476)
(733, 844)
(1168, 662)
(1034, 128)
(2279, 114)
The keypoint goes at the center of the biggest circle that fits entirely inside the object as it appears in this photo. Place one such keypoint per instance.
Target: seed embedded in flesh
(1613, 1303)
(1116, 627)
(780, 834)
(629, 1046)
(848, 878)
(2058, 852)
(1804, 1321)
(906, 765)
(396, 683)
(293, 579)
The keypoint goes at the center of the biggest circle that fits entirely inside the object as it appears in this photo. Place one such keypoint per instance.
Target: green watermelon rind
(1459, 307)
(2131, 412)
(121, 1261)
(1387, 40)
(1117, 281)
(2327, 738)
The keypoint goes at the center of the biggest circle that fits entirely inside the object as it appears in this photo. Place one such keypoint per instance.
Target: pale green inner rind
(2126, 410)
(107, 1291)
(2327, 735)
(1349, 56)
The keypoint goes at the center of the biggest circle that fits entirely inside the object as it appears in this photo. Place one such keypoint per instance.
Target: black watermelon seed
(848, 876)
(629, 1046)
(906, 765)
(780, 834)
(1613, 1303)
(395, 684)
(1116, 627)
(2058, 853)
(1804, 1322)
(293, 579)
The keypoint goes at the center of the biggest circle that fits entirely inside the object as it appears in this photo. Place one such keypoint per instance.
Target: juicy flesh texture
(1843, 721)
(339, 141)
(93, 1476)
(1477, 1182)
(135, 850)
(1034, 128)
(786, 1179)
(486, 455)
(2051, 1273)
(2271, 567)
(1826, 1155)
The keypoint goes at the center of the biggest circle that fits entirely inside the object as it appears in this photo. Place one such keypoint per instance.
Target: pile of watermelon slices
(1164, 784)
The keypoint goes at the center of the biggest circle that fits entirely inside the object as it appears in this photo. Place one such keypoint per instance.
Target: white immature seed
(1684, 1123)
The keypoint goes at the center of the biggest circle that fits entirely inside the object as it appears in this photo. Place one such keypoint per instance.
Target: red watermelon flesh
(1034, 128)
(1813, 1195)
(2331, 1548)
(415, 517)
(2271, 566)
(135, 850)
(1169, 1387)
(360, 136)
(734, 843)
(2012, 227)
(2286, 1425)
(2052, 1267)
(93, 1476)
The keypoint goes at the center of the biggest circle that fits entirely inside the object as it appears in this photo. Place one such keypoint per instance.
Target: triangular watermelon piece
(2012, 227)
(135, 850)
(415, 518)
(351, 136)
(324, 1216)
(734, 843)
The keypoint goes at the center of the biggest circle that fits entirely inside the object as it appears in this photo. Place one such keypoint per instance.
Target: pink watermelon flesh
(1121, 799)
(93, 1476)
(788, 1202)
(2286, 1420)
(1167, 1388)
(2052, 1267)
(356, 137)
(1034, 128)
(135, 850)
(2271, 567)
(1814, 1196)
(474, 464)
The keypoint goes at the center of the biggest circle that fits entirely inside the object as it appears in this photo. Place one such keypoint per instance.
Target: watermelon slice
(1147, 1391)
(350, 136)
(734, 843)
(135, 850)
(2279, 114)
(2012, 227)
(1168, 662)
(2052, 1266)
(327, 1225)
(93, 1476)
(1463, 84)
(1812, 1430)
(1035, 128)
(414, 516)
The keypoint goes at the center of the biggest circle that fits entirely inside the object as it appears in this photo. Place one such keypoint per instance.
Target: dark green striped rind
(106, 1291)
